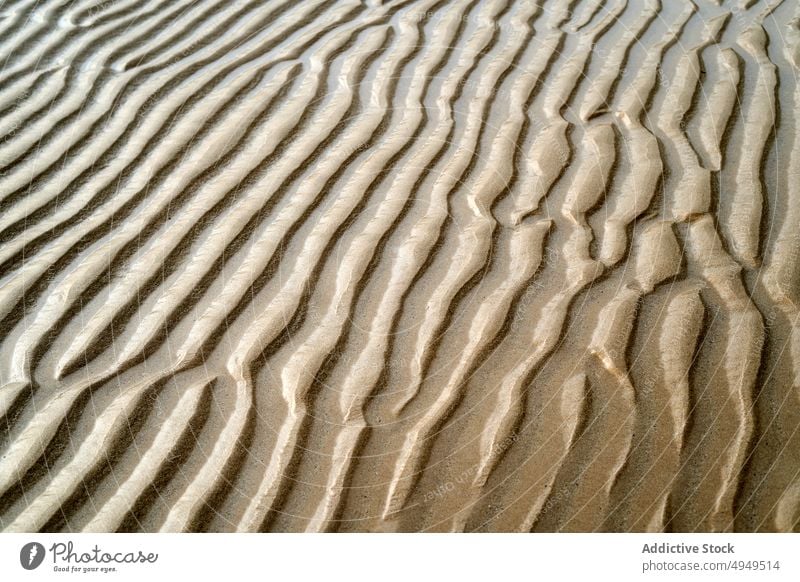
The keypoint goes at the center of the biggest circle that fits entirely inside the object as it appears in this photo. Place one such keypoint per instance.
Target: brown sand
(412, 265)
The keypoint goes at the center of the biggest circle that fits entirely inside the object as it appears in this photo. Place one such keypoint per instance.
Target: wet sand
(413, 265)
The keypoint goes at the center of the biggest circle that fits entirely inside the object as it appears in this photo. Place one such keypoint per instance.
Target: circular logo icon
(31, 555)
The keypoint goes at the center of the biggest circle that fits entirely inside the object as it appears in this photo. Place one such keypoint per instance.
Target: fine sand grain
(401, 265)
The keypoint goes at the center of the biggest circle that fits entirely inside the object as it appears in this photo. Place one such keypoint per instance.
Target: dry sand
(413, 265)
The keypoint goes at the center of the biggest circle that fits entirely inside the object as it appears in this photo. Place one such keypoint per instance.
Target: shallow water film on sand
(402, 265)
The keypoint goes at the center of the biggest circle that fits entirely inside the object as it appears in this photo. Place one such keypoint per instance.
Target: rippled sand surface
(440, 265)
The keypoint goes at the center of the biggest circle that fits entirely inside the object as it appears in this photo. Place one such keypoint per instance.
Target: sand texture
(401, 265)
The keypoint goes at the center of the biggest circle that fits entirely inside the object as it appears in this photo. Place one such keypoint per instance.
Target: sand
(413, 265)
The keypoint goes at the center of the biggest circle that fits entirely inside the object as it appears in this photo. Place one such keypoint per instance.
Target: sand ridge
(412, 265)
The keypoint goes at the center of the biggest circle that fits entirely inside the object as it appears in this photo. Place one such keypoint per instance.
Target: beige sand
(412, 265)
